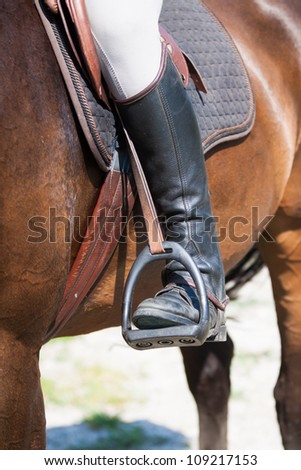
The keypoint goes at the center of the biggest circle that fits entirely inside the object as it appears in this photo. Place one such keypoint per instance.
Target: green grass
(70, 381)
(102, 420)
(87, 388)
(117, 434)
(238, 395)
(252, 357)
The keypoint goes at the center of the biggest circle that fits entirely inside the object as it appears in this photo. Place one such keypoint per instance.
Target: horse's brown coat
(42, 167)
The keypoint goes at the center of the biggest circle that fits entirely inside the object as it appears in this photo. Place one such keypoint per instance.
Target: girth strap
(106, 225)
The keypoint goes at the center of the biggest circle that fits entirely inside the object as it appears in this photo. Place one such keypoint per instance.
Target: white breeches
(128, 42)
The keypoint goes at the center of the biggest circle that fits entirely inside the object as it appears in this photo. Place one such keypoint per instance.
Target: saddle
(83, 47)
(224, 106)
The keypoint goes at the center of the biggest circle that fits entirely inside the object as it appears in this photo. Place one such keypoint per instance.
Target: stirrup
(188, 335)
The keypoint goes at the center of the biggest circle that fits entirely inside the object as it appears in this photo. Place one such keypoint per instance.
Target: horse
(46, 165)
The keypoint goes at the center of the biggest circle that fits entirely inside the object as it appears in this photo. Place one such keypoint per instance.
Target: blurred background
(100, 394)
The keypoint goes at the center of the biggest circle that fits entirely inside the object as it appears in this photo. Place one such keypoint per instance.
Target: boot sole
(154, 319)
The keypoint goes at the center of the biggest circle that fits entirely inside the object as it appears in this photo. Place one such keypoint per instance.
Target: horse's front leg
(283, 257)
(33, 280)
(208, 374)
(22, 420)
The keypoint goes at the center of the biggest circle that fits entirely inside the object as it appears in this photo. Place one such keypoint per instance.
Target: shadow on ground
(104, 432)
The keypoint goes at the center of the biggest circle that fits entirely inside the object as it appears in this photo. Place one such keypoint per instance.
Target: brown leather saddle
(67, 26)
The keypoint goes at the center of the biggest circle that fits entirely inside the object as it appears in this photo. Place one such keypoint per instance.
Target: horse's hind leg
(208, 374)
(283, 258)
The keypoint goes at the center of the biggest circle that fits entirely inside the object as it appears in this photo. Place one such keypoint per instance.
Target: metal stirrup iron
(157, 250)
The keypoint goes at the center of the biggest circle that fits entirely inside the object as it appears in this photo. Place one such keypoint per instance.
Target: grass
(251, 358)
(113, 434)
(75, 382)
(88, 388)
(102, 420)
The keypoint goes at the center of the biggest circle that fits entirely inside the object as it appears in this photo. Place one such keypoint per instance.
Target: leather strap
(183, 62)
(154, 232)
(79, 16)
(195, 74)
(103, 233)
(176, 55)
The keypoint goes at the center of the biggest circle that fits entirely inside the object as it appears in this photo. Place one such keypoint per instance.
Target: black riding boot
(164, 130)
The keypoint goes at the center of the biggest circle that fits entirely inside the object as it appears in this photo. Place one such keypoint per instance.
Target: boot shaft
(163, 127)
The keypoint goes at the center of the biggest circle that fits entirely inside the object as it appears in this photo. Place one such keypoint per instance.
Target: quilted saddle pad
(225, 113)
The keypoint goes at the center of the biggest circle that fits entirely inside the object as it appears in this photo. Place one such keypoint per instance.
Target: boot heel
(221, 335)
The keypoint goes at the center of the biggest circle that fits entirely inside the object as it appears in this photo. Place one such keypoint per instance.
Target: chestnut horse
(43, 167)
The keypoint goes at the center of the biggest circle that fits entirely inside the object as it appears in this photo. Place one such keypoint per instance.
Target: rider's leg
(160, 119)
(127, 41)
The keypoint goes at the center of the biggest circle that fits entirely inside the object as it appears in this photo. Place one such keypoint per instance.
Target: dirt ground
(101, 394)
